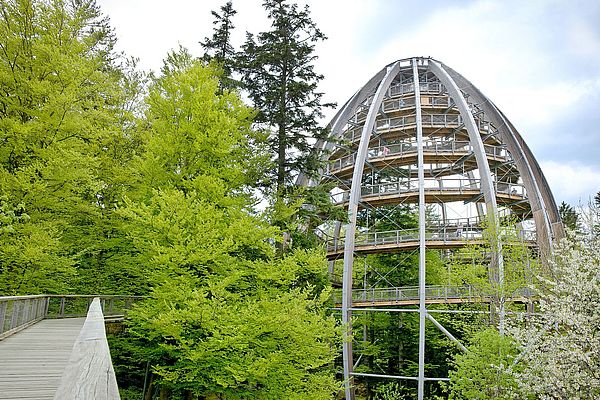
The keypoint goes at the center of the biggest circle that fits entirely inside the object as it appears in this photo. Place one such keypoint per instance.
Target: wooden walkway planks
(33, 360)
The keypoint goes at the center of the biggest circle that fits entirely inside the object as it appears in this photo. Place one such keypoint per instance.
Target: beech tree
(62, 113)
(225, 318)
(486, 371)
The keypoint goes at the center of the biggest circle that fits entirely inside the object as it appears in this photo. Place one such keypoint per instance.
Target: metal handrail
(458, 185)
(19, 312)
(427, 120)
(447, 233)
(434, 292)
(410, 148)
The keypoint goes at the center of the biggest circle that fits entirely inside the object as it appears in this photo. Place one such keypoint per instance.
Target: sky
(537, 60)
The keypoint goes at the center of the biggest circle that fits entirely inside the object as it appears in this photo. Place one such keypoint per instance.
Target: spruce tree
(218, 48)
(568, 215)
(278, 73)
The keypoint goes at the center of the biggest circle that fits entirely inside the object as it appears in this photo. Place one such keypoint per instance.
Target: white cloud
(583, 39)
(573, 183)
(522, 55)
(148, 29)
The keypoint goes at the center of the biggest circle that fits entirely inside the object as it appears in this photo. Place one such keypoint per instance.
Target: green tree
(225, 317)
(568, 215)
(61, 131)
(278, 73)
(486, 372)
(218, 48)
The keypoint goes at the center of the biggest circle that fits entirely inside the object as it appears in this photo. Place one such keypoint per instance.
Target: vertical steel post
(3, 307)
(421, 174)
(61, 312)
(14, 318)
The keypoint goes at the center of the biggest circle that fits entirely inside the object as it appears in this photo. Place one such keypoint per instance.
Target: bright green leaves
(487, 370)
(256, 344)
(180, 234)
(226, 317)
(60, 108)
(198, 141)
(189, 209)
(29, 256)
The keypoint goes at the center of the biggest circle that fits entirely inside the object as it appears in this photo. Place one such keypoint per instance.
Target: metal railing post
(61, 311)
(47, 306)
(26, 311)
(15, 314)
(3, 307)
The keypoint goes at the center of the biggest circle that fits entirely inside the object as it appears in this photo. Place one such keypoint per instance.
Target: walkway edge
(89, 373)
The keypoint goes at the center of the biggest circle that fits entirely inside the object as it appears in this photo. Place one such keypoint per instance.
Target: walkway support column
(421, 175)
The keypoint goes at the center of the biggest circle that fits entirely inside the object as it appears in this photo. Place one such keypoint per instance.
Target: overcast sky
(537, 60)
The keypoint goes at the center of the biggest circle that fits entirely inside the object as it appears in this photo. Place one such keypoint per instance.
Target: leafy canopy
(225, 317)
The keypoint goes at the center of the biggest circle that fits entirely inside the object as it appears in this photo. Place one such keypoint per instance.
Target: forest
(180, 186)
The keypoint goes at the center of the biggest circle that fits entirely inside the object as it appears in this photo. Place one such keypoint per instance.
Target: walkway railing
(453, 185)
(410, 148)
(428, 121)
(451, 232)
(19, 312)
(432, 293)
(89, 373)
(407, 88)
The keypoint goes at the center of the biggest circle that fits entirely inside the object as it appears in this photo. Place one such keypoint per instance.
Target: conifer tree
(568, 215)
(218, 48)
(278, 73)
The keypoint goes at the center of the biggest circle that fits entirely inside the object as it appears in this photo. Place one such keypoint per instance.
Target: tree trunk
(165, 393)
(150, 388)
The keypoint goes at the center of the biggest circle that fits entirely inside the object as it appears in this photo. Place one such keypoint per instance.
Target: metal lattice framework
(419, 134)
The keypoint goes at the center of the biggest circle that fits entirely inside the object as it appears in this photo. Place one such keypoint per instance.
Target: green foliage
(198, 141)
(225, 316)
(390, 391)
(30, 259)
(62, 115)
(278, 73)
(241, 344)
(485, 371)
(471, 265)
(218, 48)
(568, 215)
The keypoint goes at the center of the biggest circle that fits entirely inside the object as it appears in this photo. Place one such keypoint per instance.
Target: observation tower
(419, 137)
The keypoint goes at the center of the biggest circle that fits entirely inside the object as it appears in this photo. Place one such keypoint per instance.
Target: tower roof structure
(420, 136)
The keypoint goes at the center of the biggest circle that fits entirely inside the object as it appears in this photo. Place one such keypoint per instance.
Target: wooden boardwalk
(33, 360)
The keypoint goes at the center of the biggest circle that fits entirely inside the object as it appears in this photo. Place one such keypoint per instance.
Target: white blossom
(561, 345)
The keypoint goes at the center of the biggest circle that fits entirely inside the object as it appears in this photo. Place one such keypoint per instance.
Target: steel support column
(421, 175)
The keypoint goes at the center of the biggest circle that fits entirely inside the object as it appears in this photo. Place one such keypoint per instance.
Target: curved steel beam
(487, 186)
(322, 146)
(542, 203)
(421, 174)
(355, 194)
